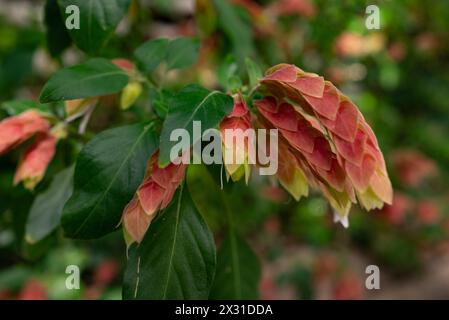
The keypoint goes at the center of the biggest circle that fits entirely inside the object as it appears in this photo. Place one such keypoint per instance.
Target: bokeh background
(398, 76)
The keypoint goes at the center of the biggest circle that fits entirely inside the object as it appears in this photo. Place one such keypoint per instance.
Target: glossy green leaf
(176, 259)
(96, 77)
(108, 171)
(150, 54)
(193, 103)
(98, 21)
(238, 271)
(182, 52)
(46, 210)
(207, 195)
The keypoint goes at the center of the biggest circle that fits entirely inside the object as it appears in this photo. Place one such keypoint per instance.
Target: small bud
(130, 94)
(59, 131)
(124, 64)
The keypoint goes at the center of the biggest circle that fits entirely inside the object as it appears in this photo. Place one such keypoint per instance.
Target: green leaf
(16, 107)
(98, 21)
(193, 103)
(178, 53)
(96, 77)
(227, 74)
(207, 195)
(150, 54)
(58, 37)
(254, 72)
(108, 172)
(13, 278)
(46, 210)
(176, 259)
(238, 271)
(159, 100)
(237, 31)
(182, 52)
(205, 17)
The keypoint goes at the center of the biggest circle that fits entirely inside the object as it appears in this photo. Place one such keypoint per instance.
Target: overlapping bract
(155, 193)
(236, 143)
(328, 138)
(36, 158)
(17, 129)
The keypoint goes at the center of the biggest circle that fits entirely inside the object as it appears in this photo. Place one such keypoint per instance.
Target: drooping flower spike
(331, 141)
(305, 156)
(154, 194)
(18, 129)
(36, 158)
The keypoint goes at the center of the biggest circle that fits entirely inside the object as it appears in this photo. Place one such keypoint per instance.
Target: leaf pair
(99, 77)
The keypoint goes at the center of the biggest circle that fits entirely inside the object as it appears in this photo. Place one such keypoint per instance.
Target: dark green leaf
(238, 271)
(57, 35)
(193, 103)
(98, 20)
(46, 210)
(108, 171)
(182, 52)
(207, 195)
(150, 54)
(96, 77)
(176, 259)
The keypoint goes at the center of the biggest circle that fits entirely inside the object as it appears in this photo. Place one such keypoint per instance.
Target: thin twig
(86, 118)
